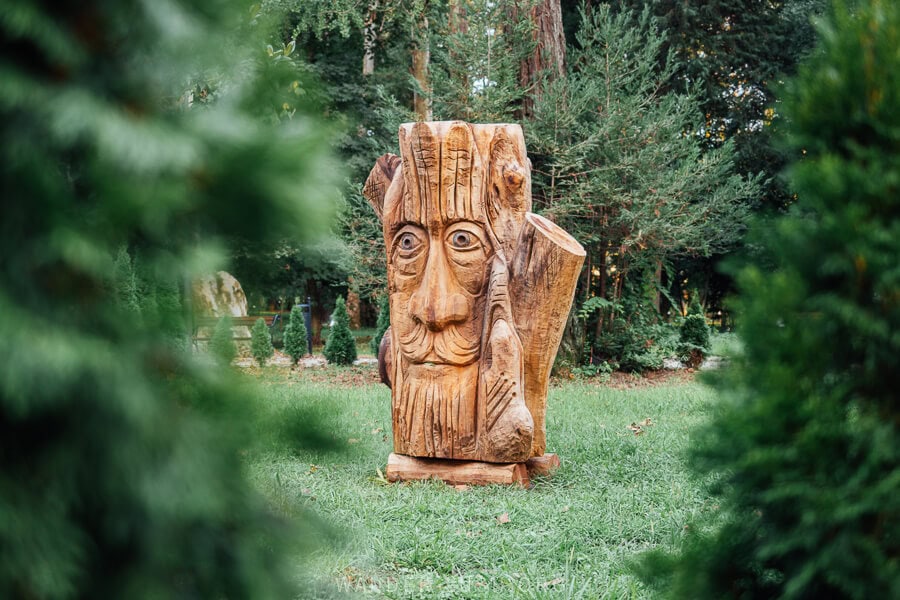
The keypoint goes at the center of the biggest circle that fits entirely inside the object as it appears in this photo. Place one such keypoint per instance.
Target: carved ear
(379, 180)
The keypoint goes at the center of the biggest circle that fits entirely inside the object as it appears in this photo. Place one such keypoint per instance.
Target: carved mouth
(435, 361)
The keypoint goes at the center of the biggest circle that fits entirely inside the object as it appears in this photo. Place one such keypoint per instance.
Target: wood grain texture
(455, 472)
(479, 291)
(544, 275)
(542, 466)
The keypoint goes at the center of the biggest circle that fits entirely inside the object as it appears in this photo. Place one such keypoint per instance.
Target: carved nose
(437, 312)
(436, 304)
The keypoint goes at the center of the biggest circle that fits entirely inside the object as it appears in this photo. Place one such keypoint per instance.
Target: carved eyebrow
(395, 227)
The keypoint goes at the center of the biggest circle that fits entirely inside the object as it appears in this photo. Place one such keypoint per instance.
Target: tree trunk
(548, 59)
(458, 50)
(657, 278)
(369, 37)
(545, 271)
(458, 18)
(421, 56)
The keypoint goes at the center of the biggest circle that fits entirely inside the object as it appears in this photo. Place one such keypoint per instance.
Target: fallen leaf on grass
(504, 518)
(638, 428)
(377, 430)
(313, 468)
(381, 479)
(556, 581)
(565, 508)
(461, 487)
(353, 441)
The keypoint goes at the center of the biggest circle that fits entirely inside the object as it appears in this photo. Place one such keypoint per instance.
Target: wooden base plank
(455, 472)
(542, 466)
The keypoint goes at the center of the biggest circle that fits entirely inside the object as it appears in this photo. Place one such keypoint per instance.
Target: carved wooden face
(452, 208)
(438, 272)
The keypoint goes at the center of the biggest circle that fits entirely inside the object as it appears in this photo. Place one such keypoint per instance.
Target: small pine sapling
(694, 335)
(221, 344)
(295, 344)
(340, 349)
(384, 321)
(261, 343)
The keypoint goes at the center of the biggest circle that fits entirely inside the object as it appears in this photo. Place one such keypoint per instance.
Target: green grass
(571, 536)
(724, 344)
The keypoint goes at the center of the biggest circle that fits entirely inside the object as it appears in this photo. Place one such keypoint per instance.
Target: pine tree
(734, 52)
(261, 343)
(125, 283)
(694, 334)
(295, 335)
(618, 163)
(340, 348)
(805, 450)
(129, 125)
(384, 321)
(221, 344)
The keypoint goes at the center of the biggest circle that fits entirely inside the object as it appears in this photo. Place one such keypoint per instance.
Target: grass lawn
(573, 535)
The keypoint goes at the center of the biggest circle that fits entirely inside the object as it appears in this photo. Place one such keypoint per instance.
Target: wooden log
(542, 466)
(480, 290)
(544, 273)
(455, 472)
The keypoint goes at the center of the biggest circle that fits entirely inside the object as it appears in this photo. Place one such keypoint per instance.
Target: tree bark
(548, 59)
(458, 50)
(369, 37)
(421, 57)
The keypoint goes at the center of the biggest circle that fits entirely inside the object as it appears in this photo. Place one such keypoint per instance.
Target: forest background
(649, 126)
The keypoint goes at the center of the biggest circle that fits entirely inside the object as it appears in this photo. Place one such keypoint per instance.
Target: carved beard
(434, 410)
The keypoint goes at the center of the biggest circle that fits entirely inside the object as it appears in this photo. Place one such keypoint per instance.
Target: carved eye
(462, 240)
(408, 242)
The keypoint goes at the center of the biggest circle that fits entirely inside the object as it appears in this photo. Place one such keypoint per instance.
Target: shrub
(693, 342)
(340, 349)
(638, 345)
(221, 344)
(261, 343)
(804, 450)
(295, 342)
(384, 321)
(121, 459)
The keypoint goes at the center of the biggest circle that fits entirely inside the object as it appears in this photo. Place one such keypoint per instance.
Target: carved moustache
(456, 344)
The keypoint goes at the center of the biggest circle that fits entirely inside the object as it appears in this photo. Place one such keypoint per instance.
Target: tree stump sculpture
(480, 289)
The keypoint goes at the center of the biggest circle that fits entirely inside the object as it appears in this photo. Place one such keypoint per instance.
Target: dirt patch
(355, 376)
(623, 381)
(365, 372)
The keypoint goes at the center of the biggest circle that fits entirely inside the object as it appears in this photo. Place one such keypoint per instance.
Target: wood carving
(480, 289)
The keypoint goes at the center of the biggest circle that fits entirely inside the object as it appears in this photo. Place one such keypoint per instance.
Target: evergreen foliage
(733, 53)
(295, 334)
(618, 164)
(476, 65)
(693, 339)
(221, 344)
(384, 321)
(125, 283)
(261, 342)
(806, 447)
(141, 126)
(340, 348)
